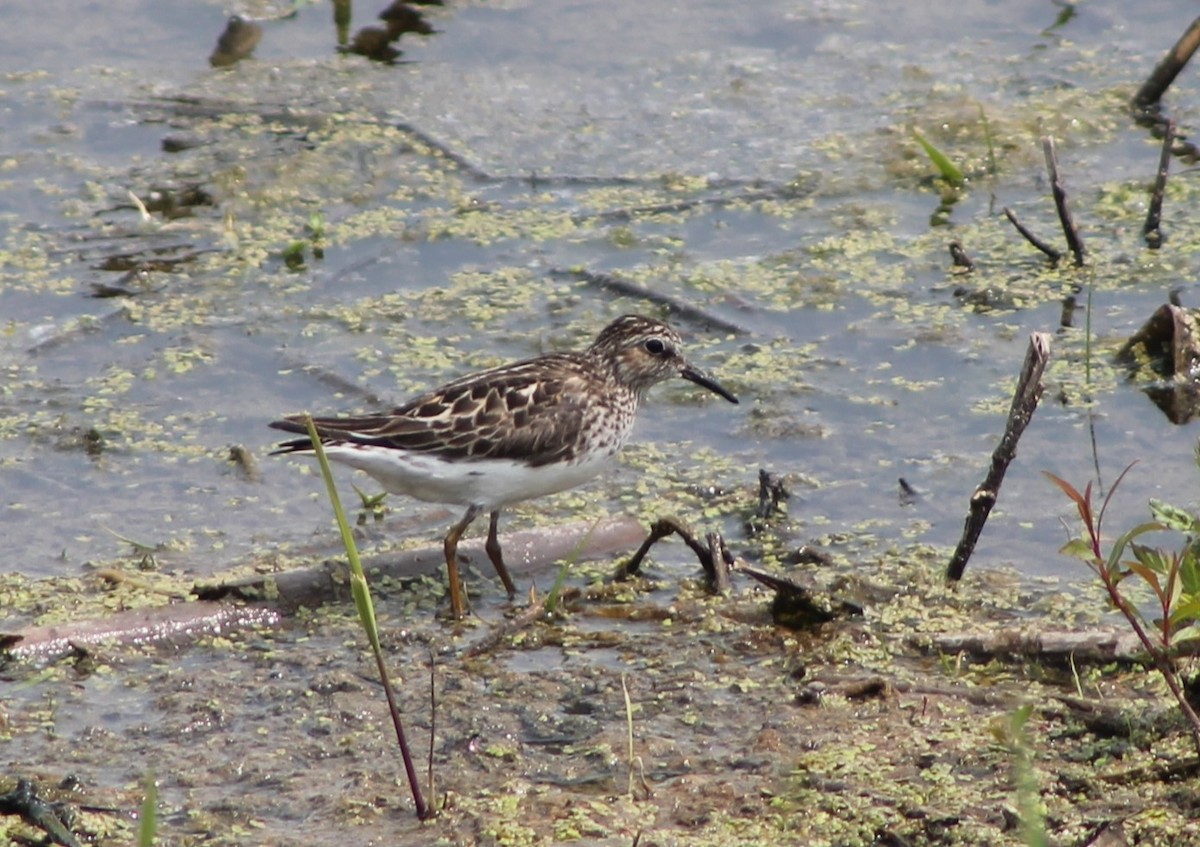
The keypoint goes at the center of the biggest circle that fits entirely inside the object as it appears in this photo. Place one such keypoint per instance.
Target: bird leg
(493, 551)
(458, 606)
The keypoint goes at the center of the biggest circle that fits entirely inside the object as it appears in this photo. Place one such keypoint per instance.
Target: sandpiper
(500, 436)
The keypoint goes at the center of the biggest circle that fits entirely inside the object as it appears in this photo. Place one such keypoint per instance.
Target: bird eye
(655, 346)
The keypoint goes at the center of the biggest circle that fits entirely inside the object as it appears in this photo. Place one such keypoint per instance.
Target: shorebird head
(643, 352)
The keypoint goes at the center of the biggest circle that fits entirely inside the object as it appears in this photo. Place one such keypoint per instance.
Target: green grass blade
(366, 614)
(1029, 806)
(991, 142)
(358, 577)
(149, 819)
(551, 602)
(941, 161)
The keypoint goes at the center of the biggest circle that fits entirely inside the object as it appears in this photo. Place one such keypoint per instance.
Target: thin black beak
(692, 375)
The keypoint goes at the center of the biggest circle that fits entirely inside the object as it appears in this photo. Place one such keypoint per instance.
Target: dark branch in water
(675, 306)
(1151, 231)
(1152, 90)
(722, 560)
(959, 254)
(659, 530)
(1025, 400)
(793, 605)
(1051, 252)
(1074, 242)
(714, 556)
(772, 491)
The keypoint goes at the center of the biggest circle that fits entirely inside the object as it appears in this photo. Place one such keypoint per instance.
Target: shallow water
(751, 160)
(876, 370)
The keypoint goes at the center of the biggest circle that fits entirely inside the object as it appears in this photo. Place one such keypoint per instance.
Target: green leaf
(1078, 548)
(1020, 717)
(1152, 557)
(1186, 613)
(1125, 539)
(1148, 576)
(1083, 502)
(1186, 632)
(1189, 571)
(366, 609)
(369, 501)
(946, 168)
(1172, 517)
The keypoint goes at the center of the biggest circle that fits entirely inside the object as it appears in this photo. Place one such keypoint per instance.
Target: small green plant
(949, 171)
(144, 551)
(315, 230)
(314, 239)
(293, 255)
(372, 505)
(1172, 575)
(148, 823)
(366, 615)
(554, 597)
(1011, 734)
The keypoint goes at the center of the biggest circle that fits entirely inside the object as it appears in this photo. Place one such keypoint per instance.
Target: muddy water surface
(754, 163)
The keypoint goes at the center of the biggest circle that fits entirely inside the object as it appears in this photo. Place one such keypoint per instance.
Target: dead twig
(722, 560)
(1152, 90)
(772, 491)
(432, 718)
(787, 191)
(793, 605)
(1053, 253)
(615, 284)
(1070, 230)
(1151, 231)
(1025, 400)
(536, 610)
(714, 555)
(659, 530)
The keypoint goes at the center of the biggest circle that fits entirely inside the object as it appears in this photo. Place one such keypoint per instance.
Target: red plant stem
(1166, 598)
(1159, 656)
(424, 812)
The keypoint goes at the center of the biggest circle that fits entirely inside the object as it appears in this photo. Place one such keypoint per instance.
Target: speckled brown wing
(531, 412)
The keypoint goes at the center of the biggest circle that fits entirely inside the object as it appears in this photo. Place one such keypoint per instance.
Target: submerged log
(1168, 344)
(271, 596)
(525, 552)
(1094, 645)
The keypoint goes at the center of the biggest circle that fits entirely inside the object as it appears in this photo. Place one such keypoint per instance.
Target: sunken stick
(1025, 400)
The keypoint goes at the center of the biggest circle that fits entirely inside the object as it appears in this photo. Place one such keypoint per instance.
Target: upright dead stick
(1151, 231)
(1025, 400)
(959, 255)
(1166, 71)
(1074, 242)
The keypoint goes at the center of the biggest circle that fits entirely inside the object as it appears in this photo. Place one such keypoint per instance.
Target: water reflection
(236, 43)
(378, 43)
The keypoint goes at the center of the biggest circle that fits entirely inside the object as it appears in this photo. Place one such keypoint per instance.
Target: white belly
(489, 483)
